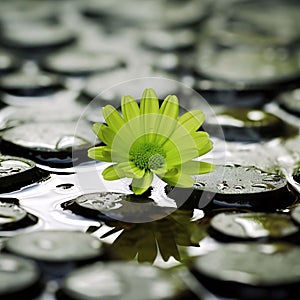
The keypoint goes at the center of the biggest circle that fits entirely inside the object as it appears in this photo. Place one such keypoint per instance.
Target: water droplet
(70, 141)
(65, 186)
(100, 203)
(231, 165)
(199, 184)
(222, 186)
(239, 187)
(272, 178)
(264, 186)
(252, 227)
(45, 244)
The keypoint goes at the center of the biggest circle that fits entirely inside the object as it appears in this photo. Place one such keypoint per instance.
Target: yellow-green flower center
(147, 156)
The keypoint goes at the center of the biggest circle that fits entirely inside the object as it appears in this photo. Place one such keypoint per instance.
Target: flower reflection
(167, 237)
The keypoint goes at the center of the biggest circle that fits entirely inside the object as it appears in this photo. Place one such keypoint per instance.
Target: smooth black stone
(246, 23)
(30, 85)
(241, 187)
(112, 281)
(102, 88)
(20, 110)
(10, 214)
(170, 14)
(250, 271)
(56, 246)
(14, 217)
(19, 11)
(248, 125)
(246, 68)
(81, 63)
(219, 92)
(290, 101)
(169, 40)
(252, 226)
(17, 172)
(34, 39)
(296, 175)
(295, 214)
(50, 143)
(19, 278)
(8, 63)
(110, 206)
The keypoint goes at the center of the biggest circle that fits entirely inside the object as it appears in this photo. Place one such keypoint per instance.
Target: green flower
(148, 139)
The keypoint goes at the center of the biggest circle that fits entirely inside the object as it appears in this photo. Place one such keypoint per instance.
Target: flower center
(147, 156)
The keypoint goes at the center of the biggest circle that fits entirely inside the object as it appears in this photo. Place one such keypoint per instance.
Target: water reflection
(168, 237)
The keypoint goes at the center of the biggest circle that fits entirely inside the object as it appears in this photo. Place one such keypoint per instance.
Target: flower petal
(130, 170)
(112, 173)
(179, 179)
(104, 133)
(204, 148)
(101, 153)
(170, 107)
(197, 167)
(177, 156)
(163, 126)
(112, 118)
(129, 107)
(140, 185)
(149, 102)
(202, 141)
(192, 120)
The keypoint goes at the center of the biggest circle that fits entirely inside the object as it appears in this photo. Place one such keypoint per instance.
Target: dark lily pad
(112, 281)
(252, 226)
(20, 278)
(250, 271)
(242, 187)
